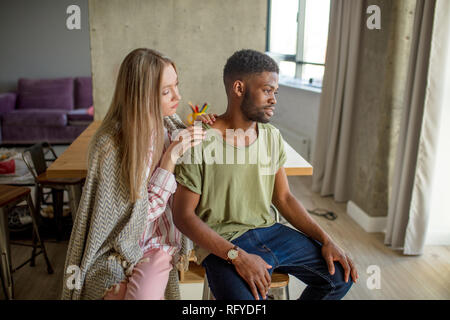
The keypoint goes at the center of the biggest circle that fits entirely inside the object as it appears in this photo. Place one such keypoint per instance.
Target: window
(297, 35)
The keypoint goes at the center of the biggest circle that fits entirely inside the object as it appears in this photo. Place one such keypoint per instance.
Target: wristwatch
(232, 254)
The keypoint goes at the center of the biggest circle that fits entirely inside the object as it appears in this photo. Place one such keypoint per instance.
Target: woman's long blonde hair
(136, 110)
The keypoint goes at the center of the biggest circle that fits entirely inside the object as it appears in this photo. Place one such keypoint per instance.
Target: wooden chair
(9, 197)
(34, 158)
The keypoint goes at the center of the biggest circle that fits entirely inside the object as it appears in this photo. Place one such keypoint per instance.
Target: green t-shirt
(235, 183)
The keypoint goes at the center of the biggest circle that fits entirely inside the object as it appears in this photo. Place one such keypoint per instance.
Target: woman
(123, 239)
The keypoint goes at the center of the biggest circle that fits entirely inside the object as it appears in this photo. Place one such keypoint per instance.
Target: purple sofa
(52, 110)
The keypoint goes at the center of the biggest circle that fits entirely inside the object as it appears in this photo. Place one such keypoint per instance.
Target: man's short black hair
(245, 62)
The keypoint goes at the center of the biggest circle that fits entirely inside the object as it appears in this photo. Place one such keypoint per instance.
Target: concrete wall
(379, 97)
(199, 35)
(35, 42)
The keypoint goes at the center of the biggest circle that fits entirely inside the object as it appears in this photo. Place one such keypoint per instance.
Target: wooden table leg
(58, 203)
(5, 253)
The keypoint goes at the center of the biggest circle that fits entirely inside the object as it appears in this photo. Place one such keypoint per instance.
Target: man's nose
(273, 100)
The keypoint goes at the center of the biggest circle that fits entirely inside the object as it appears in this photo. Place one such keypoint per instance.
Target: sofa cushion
(83, 92)
(79, 115)
(45, 94)
(35, 117)
(66, 134)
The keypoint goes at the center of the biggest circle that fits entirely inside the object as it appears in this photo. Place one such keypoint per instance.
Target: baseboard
(368, 223)
(438, 238)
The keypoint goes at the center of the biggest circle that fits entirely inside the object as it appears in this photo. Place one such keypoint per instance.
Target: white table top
(295, 164)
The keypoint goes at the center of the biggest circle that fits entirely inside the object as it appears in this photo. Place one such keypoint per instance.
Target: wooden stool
(9, 197)
(279, 280)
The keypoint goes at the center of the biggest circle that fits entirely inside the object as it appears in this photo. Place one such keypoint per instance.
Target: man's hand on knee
(331, 252)
(253, 269)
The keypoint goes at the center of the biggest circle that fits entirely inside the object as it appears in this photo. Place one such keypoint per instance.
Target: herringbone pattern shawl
(107, 224)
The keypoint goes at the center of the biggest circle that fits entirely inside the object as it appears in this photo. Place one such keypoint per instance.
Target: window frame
(298, 57)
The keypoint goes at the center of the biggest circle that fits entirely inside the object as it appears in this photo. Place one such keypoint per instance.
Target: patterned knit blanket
(104, 248)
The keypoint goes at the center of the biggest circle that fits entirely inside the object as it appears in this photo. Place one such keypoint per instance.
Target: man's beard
(252, 112)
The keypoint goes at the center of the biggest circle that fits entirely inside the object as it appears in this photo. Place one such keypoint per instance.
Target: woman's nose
(177, 95)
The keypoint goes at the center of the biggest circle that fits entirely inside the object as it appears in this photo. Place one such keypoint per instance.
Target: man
(224, 208)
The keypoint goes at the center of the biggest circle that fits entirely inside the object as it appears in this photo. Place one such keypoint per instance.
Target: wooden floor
(402, 277)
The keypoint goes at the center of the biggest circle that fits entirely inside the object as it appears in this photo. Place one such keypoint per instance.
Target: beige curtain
(432, 144)
(402, 210)
(337, 100)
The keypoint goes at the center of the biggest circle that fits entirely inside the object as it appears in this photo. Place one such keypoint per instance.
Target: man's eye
(165, 92)
(276, 92)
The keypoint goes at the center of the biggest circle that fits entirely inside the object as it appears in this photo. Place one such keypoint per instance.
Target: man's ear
(239, 88)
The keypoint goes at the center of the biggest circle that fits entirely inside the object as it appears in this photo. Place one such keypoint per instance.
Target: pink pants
(148, 280)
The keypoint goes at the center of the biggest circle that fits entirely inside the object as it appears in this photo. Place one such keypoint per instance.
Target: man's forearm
(294, 212)
(201, 234)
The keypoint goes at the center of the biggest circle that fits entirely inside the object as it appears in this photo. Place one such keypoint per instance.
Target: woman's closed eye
(167, 91)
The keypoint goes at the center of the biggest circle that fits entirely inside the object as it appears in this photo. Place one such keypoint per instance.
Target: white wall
(296, 115)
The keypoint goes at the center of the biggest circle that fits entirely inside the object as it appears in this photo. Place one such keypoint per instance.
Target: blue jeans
(287, 251)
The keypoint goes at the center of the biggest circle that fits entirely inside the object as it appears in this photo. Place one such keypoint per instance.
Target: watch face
(232, 254)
